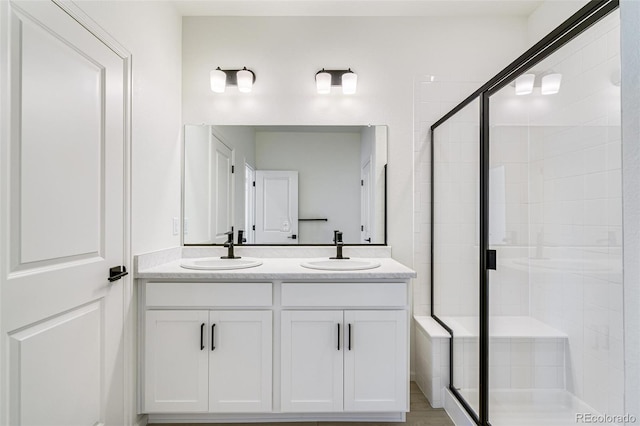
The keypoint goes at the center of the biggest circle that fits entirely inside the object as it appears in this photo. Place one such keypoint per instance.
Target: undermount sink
(341, 264)
(217, 263)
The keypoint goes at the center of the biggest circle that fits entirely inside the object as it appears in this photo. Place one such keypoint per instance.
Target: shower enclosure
(527, 232)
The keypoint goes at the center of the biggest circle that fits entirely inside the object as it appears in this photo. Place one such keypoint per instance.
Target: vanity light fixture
(345, 78)
(243, 78)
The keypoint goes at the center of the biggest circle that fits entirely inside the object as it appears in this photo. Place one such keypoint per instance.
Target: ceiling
(356, 7)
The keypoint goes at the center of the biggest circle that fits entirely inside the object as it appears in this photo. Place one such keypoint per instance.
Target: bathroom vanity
(276, 342)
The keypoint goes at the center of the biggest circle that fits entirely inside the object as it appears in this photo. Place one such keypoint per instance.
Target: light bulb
(524, 84)
(245, 80)
(349, 82)
(218, 80)
(323, 82)
(551, 84)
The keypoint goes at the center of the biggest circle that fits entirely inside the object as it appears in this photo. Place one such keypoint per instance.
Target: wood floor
(421, 414)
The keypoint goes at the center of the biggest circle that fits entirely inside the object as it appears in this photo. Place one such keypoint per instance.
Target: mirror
(284, 184)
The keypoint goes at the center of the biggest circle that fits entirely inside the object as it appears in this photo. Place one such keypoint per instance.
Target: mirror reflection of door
(276, 207)
(365, 203)
(221, 191)
(250, 204)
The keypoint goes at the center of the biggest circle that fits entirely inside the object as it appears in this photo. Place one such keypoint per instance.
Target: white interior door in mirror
(221, 208)
(61, 318)
(276, 207)
(365, 203)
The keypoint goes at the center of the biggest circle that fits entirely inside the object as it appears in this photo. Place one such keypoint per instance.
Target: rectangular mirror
(278, 185)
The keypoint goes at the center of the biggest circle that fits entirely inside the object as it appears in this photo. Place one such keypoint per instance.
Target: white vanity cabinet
(344, 347)
(348, 361)
(217, 360)
(275, 343)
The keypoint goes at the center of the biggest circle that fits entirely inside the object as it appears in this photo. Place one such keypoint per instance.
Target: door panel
(70, 342)
(222, 189)
(311, 361)
(240, 361)
(64, 197)
(375, 361)
(276, 207)
(176, 361)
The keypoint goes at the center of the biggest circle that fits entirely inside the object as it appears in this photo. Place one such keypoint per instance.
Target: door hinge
(254, 183)
(253, 227)
(233, 169)
(491, 259)
(361, 228)
(361, 182)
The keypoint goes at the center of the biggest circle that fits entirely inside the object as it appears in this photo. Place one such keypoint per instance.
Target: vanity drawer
(345, 294)
(208, 294)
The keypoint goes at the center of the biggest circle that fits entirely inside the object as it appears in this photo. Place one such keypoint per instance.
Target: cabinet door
(175, 372)
(375, 361)
(311, 369)
(240, 361)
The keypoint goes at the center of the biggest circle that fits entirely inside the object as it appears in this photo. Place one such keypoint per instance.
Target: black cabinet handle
(202, 336)
(349, 336)
(338, 336)
(213, 337)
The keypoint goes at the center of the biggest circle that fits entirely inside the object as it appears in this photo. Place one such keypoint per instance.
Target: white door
(365, 203)
(311, 361)
(240, 361)
(276, 207)
(222, 187)
(249, 203)
(375, 361)
(175, 366)
(63, 127)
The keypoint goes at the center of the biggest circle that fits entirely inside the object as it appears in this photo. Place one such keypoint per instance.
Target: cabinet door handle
(349, 336)
(213, 337)
(202, 336)
(338, 336)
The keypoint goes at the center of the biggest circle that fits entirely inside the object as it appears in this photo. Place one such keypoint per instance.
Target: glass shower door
(555, 203)
(456, 249)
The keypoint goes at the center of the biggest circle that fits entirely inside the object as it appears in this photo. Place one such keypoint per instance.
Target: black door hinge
(361, 228)
(253, 227)
(361, 182)
(254, 183)
(233, 169)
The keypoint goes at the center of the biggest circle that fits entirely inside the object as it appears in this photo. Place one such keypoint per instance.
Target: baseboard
(277, 417)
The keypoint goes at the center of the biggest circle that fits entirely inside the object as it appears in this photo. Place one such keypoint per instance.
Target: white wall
(549, 15)
(151, 31)
(197, 185)
(328, 165)
(286, 52)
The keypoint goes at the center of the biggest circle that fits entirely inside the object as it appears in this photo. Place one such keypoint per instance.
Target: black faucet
(229, 245)
(241, 238)
(337, 238)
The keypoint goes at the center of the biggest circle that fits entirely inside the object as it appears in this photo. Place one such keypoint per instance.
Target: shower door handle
(491, 259)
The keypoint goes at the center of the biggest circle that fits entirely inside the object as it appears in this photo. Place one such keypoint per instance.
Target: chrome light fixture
(347, 79)
(243, 79)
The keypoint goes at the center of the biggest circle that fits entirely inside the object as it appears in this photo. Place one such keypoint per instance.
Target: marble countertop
(275, 269)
